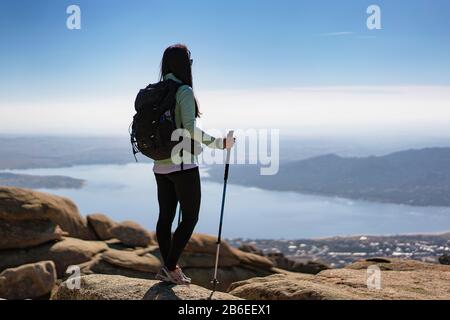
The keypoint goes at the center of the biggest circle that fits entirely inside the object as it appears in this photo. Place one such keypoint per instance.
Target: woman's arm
(185, 98)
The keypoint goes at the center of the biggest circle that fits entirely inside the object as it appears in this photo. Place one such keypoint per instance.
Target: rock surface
(36, 227)
(64, 253)
(25, 204)
(205, 243)
(252, 259)
(405, 280)
(310, 267)
(108, 287)
(226, 275)
(126, 248)
(28, 281)
(145, 263)
(130, 260)
(283, 262)
(101, 224)
(204, 260)
(392, 264)
(27, 233)
(248, 247)
(132, 234)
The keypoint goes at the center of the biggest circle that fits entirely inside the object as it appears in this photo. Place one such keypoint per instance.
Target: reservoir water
(128, 192)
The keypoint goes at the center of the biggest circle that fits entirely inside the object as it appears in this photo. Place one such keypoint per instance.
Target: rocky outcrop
(37, 226)
(69, 251)
(283, 262)
(132, 234)
(286, 287)
(205, 260)
(251, 248)
(279, 260)
(204, 243)
(309, 267)
(198, 262)
(108, 287)
(403, 279)
(101, 224)
(252, 260)
(120, 260)
(145, 263)
(226, 275)
(28, 205)
(28, 281)
(393, 264)
(207, 245)
(27, 233)
(130, 260)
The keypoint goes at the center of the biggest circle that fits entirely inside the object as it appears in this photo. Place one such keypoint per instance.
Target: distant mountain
(39, 182)
(413, 177)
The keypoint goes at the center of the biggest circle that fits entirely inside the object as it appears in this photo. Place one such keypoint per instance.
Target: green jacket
(185, 114)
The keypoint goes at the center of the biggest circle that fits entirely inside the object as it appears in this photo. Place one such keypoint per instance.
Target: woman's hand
(229, 143)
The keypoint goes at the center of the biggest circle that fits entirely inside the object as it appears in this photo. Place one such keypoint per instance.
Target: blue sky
(236, 45)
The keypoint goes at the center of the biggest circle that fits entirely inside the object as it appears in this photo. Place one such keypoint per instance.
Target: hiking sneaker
(176, 276)
(161, 275)
(184, 275)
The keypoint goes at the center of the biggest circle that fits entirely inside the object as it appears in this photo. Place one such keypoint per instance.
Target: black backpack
(154, 121)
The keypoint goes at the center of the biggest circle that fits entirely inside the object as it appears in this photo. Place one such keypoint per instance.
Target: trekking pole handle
(227, 163)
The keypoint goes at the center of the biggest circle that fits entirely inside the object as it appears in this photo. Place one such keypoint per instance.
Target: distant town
(340, 251)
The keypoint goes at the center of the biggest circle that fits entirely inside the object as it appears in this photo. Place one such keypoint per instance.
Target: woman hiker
(180, 182)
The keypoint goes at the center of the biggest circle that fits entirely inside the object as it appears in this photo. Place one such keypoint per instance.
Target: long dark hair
(177, 60)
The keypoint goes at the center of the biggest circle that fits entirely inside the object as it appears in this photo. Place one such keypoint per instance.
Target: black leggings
(182, 186)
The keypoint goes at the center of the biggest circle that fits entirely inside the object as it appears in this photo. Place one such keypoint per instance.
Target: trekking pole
(179, 215)
(225, 179)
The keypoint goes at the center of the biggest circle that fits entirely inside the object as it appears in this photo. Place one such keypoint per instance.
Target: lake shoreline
(40, 181)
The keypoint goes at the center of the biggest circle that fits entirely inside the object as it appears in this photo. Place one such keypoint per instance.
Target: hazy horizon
(318, 112)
